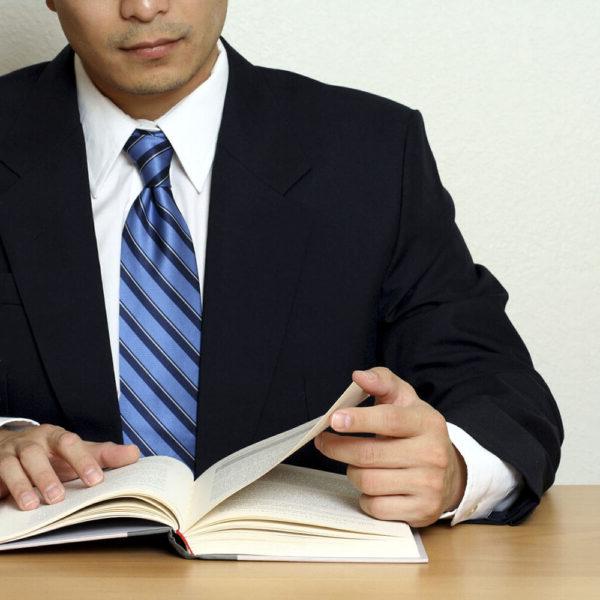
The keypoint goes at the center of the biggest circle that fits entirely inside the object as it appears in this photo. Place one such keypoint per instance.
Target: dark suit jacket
(331, 247)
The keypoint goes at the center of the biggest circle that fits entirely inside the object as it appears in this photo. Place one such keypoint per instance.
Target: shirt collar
(192, 125)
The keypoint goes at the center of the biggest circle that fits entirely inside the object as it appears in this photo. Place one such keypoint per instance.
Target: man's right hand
(44, 456)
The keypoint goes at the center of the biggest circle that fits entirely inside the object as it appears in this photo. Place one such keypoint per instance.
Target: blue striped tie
(160, 312)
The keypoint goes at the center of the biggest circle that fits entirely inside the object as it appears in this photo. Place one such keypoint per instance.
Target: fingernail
(318, 441)
(92, 476)
(370, 375)
(340, 420)
(29, 500)
(53, 492)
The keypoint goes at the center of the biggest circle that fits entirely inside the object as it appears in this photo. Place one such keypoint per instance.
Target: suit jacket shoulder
(327, 112)
(342, 99)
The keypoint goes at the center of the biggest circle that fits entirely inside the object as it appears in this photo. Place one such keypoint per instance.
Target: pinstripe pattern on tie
(159, 312)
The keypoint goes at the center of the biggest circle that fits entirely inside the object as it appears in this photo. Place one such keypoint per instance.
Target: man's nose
(143, 10)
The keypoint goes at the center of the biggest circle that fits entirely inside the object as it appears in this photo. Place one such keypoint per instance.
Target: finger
(383, 419)
(410, 509)
(18, 484)
(75, 452)
(36, 464)
(369, 452)
(386, 387)
(63, 469)
(3, 490)
(111, 456)
(385, 482)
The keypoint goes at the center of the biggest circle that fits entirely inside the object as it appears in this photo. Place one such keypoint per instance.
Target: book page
(161, 478)
(291, 494)
(241, 468)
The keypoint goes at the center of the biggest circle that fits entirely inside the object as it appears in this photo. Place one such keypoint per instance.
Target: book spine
(178, 541)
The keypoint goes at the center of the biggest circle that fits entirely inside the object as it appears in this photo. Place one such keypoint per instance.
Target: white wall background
(510, 93)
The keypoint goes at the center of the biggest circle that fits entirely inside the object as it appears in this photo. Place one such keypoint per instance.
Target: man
(197, 253)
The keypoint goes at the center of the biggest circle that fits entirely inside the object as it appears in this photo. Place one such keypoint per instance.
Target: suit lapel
(47, 228)
(255, 246)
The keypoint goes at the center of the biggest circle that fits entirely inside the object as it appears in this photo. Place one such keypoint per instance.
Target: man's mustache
(141, 33)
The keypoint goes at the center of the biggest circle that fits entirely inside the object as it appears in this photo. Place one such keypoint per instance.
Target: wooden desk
(555, 554)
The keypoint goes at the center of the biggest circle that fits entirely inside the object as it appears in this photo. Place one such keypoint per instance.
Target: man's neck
(153, 106)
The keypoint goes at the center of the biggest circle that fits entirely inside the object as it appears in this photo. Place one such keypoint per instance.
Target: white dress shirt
(192, 127)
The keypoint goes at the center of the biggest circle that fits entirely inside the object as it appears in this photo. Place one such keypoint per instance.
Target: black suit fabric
(331, 246)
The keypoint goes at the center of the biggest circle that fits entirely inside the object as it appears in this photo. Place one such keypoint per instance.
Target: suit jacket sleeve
(444, 329)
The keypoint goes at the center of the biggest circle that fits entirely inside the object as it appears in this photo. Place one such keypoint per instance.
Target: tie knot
(152, 152)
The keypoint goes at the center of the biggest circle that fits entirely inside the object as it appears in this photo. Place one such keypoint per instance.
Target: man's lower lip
(155, 51)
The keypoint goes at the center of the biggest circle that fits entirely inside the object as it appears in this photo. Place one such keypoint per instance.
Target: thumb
(111, 456)
(385, 386)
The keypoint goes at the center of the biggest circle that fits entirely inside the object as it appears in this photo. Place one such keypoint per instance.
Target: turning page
(237, 470)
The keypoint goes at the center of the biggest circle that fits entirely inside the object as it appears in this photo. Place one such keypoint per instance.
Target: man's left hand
(410, 471)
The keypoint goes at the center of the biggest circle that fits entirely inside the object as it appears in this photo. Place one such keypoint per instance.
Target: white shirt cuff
(492, 484)
(16, 423)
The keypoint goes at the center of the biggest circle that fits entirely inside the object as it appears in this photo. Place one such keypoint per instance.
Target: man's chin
(154, 85)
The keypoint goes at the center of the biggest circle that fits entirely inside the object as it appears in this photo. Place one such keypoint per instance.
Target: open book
(247, 506)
